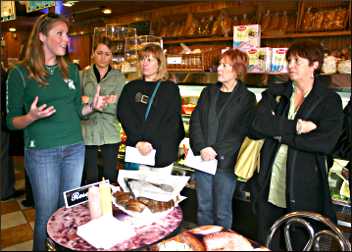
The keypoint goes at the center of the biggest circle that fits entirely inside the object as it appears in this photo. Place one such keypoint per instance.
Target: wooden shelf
(307, 34)
(169, 41)
(195, 40)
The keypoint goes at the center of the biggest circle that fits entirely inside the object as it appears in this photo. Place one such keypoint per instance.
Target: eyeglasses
(101, 53)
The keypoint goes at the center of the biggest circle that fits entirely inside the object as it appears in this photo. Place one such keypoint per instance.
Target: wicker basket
(193, 62)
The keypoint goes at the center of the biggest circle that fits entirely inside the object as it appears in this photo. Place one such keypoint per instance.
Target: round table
(62, 227)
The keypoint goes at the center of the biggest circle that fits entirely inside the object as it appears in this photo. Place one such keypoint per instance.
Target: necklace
(51, 69)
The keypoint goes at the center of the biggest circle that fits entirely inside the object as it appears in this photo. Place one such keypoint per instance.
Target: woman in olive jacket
(300, 121)
(101, 129)
(218, 126)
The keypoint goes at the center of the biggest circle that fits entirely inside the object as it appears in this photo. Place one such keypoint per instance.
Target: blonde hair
(34, 59)
(157, 52)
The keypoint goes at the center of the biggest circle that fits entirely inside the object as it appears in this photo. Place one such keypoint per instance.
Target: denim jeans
(51, 172)
(214, 198)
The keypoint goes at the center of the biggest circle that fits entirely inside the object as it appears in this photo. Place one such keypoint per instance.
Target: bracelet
(299, 127)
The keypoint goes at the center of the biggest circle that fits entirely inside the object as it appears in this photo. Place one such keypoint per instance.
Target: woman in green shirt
(47, 89)
(101, 128)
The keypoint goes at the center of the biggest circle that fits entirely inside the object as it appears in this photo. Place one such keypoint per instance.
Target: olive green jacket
(101, 127)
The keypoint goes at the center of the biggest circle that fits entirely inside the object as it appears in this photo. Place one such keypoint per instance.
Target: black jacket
(343, 148)
(226, 130)
(306, 172)
(163, 127)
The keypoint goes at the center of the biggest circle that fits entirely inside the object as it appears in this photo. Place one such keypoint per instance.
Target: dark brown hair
(308, 49)
(239, 61)
(104, 41)
(34, 60)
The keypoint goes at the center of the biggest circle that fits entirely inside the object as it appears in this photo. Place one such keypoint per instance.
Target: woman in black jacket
(300, 121)
(217, 128)
(162, 128)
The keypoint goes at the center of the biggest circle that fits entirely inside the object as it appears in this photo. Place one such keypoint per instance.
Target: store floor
(17, 222)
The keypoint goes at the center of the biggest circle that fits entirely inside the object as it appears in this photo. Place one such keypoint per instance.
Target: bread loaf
(122, 197)
(135, 205)
(156, 206)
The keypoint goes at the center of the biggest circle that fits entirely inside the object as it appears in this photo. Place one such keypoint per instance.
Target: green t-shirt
(61, 128)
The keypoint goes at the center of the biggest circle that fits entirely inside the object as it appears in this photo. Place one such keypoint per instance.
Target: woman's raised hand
(99, 102)
(43, 111)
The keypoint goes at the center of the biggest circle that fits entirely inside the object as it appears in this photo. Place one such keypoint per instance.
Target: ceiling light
(12, 29)
(106, 11)
(69, 3)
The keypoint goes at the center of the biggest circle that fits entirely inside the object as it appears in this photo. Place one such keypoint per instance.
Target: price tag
(174, 60)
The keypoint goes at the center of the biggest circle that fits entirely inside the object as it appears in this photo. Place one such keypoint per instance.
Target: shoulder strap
(151, 100)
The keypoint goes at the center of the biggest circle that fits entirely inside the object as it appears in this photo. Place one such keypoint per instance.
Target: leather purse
(248, 159)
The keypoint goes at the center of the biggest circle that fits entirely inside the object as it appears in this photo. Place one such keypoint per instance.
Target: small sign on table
(78, 195)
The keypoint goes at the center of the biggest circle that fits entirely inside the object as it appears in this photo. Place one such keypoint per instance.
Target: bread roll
(156, 206)
(226, 241)
(122, 197)
(135, 205)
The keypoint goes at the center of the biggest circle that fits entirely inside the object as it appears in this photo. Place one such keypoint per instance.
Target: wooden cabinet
(282, 22)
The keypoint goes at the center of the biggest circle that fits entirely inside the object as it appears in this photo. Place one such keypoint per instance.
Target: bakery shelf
(307, 35)
(169, 41)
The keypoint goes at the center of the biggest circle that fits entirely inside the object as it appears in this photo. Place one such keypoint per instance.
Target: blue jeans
(214, 198)
(51, 172)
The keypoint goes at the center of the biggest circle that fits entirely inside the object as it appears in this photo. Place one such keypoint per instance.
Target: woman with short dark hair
(300, 121)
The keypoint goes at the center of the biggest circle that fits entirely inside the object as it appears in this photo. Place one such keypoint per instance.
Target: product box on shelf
(246, 36)
(278, 60)
(259, 60)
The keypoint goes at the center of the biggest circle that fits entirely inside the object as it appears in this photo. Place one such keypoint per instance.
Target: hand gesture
(85, 99)
(144, 147)
(99, 102)
(109, 99)
(208, 154)
(40, 112)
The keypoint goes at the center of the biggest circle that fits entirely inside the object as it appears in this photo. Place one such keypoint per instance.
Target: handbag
(248, 159)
